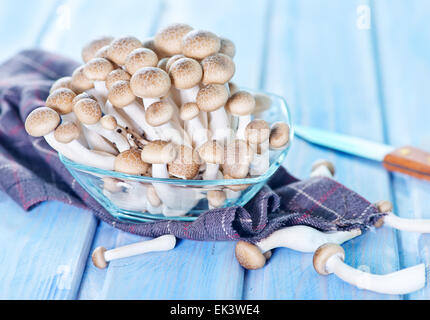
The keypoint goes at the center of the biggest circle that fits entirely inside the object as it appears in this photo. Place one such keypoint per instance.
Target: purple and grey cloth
(31, 173)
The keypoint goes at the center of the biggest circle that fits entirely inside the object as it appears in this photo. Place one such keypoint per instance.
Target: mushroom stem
(401, 282)
(409, 225)
(101, 257)
(261, 162)
(97, 143)
(218, 124)
(304, 238)
(241, 123)
(211, 171)
(117, 139)
(136, 112)
(122, 121)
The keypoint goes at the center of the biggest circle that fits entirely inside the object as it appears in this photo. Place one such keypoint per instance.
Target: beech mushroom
(153, 198)
(233, 88)
(279, 136)
(262, 104)
(43, 122)
(65, 82)
(140, 58)
(216, 198)
(168, 41)
(61, 100)
(89, 51)
(298, 238)
(238, 157)
(329, 259)
(257, 134)
(323, 168)
(101, 257)
(89, 114)
(218, 69)
(227, 47)
(240, 105)
(186, 165)
(213, 154)
(97, 70)
(199, 44)
(82, 84)
(120, 48)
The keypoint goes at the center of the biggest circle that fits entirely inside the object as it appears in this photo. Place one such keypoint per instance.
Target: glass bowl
(124, 196)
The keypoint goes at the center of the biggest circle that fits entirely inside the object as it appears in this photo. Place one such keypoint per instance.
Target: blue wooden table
(360, 67)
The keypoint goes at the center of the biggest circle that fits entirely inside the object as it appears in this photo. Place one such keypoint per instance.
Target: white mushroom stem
(136, 112)
(97, 142)
(122, 121)
(78, 153)
(71, 117)
(241, 123)
(322, 171)
(172, 131)
(100, 88)
(409, 225)
(400, 282)
(211, 172)
(261, 162)
(304, 239)
(218, 124)
(117, 139)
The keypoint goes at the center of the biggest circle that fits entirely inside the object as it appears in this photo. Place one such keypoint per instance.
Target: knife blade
(408, 160)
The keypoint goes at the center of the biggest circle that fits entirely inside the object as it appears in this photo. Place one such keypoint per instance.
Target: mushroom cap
(115, 76)
(168, 40)
(120, 48)
(186, 73)
(98, 69)
(384, 206)
(262, 103)
(186, 165)
(162, 64)
(323, 254)
(189, 111)
(120, 94)
(67, 132)
(111, 184)
(159, 113)
(236, 187)
(172, 60)
(212, 152)
(227, 47)
(152, 196)
(199, 44)
(238, 156)
(218, 68)
(233, 87)
(249, 256)
(212, 97)
(98, 258)
(148, 43)
(140, 58)
(159, 152)
(103, 53)
(257, 132)
(329, 165)
(241, 103)
(81, 96)
(279, 135)
(80, 82)
(65, 82)
(61, 100)
(216, 198)
(89, 51)
(150, 82)
(41, 122)
(130, 162)
(88, 111)
(109, 122)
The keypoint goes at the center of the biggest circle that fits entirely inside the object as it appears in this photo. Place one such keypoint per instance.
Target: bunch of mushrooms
(164, 107)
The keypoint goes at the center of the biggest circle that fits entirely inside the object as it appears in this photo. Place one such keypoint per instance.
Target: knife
(408, 160)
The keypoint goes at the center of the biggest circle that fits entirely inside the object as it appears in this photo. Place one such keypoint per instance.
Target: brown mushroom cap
(162, 64)
(262, 103)
(186, 73)
(120, 94)
(384, 206)
(67, 132)
(323, 254)
(249, 256)
(159, 152)
(279, 135)
(150, 82)
(199, 44)
(98, 69)
(90, 49)
(172, 60)
(186, 165)
(238, 156)
(236, 187)
(216, 198)
(65, 82)
(241, 103)
(168, 41)
(130, 162)
(120, 48)
(41, 122)
(152, 196)
(189, 111)
(115, 76)
(103, 53)
(257, 132)
(140, 58)
(329, 165)
(212, 97)
(218, 68)
(61, 100)
(212, 152)
(81, 96)
(159, 113)
(109, 122)
(233, 88)
(227, 47)
(80, 82)
(98, 258)
(88, 111)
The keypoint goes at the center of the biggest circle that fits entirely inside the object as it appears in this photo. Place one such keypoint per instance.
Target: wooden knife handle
(409, 160)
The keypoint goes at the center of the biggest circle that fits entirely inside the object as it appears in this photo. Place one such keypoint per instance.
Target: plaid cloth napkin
(31, 172)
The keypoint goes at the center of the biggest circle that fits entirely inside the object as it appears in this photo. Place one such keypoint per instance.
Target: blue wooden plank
(323, 64)
(196, 270)
(44, 251)
(404, 57)
(21, 22)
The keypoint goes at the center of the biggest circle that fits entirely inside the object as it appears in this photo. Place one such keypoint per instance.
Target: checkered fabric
(32, 173)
